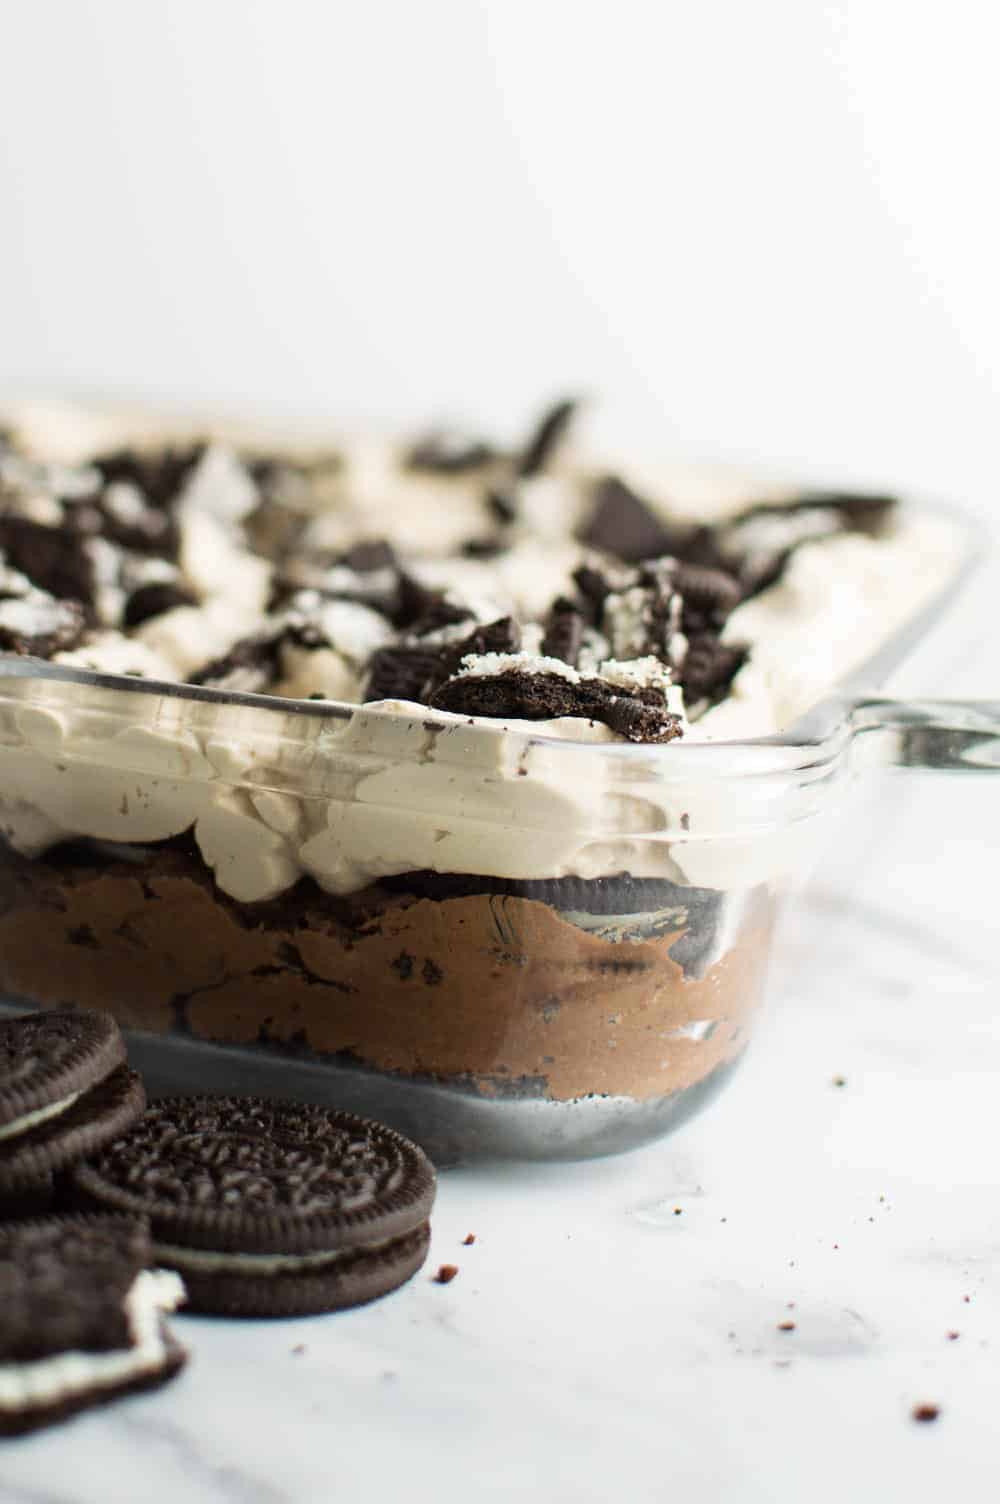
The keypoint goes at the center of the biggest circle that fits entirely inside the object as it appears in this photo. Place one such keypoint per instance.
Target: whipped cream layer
(350, 796)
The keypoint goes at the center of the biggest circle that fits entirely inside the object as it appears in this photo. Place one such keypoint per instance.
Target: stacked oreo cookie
(247, 1207)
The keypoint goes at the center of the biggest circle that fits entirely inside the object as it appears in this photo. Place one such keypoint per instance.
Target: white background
(766, 229)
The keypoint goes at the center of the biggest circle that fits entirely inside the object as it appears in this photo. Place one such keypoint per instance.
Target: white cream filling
(40, 1115)
(205, 1261)
(47, 1381)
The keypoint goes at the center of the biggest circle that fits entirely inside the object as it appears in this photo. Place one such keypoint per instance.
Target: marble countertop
(616, 1329)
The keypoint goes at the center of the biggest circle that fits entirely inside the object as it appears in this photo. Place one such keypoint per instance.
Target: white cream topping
(111, 653)
(40, 1115)
(47, 1381)
(837, 600)
(206, 1261)
(397, 786)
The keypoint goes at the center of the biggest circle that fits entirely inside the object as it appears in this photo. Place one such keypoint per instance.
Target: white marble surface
(598, 1344)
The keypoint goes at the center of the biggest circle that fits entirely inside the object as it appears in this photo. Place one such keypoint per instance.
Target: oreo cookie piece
(65, 1091)
(132, 522)
(709, 595)
(637, 714)
(81, 1318)
(413, 671)
(420, 609)
(154, 599)
(403, 672)
(55, 559)
(35, 1199)
(563, 632)
(622, 524)
(37, 625)
(269, 1208)
(710, 666)
(159, 474)
(548, 434)
(250, 667)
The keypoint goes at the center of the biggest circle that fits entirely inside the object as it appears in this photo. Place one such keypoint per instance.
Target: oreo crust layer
(496, 992)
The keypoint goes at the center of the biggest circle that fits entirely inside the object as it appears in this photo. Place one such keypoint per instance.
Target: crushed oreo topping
(53, 558)
(501, 505)
(412, 671)
(403, 673)
(637, 714)
(624, 525)
(709, 667)
(709, 595)
(159, 474)
(91, 553)
(420, 609)
(563, 632)
(546, 438)
(38, 626)
(154, 599)
(251, 666)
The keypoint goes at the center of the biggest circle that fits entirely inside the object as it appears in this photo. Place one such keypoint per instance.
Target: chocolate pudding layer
(617, 987)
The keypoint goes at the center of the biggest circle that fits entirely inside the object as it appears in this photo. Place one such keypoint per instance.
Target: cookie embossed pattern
(455, 782)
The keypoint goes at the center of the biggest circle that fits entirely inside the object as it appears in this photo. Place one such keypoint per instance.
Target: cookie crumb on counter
(469, 1239)
(446, 1273)
(925, 1412)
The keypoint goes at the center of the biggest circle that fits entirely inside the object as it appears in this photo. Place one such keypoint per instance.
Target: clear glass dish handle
(960, 735)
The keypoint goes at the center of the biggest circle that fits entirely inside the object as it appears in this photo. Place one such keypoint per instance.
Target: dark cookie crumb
(563, 632)
(40, 628)
(548, 434)
(250, 667)
(925, 1412)
(483, 548)
(470, 1238)
(54, 559)
(153, 600)
(370, 554)
(622, 524)
(710, 666)
(446, 1273)
(419, 609)
(501, 505)
(159, 475)
(414, 671)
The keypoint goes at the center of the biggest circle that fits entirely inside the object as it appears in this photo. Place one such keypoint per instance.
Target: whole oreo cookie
(65, 1091)
(81, 1318)
(269, 1208)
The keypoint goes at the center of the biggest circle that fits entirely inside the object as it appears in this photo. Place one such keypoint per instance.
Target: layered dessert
(362, 752)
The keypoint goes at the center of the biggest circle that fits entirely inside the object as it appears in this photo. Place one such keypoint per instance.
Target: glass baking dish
(484, 1015)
